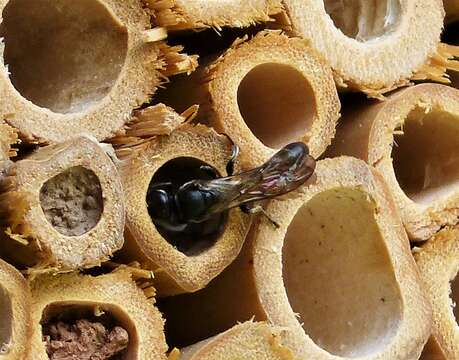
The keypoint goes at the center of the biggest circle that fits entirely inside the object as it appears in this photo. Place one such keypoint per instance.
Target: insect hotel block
(190, 263)
(338, 274)
(62, 207)
(14, 313)
(80, 316)
(413, 140)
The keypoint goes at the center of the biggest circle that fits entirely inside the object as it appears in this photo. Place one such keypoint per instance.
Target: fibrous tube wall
(183, 262)
(412, 139)
(14, 313)
(265, 93)
(438, 262)
(80, 316)
(79, 67)
(70, 213)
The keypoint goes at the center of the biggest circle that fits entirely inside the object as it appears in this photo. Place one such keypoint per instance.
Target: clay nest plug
(62, 207)
(83, 317)
(264, 93)
(412, 139)
(14, 314)
(79, 67)
(249, 341)
(182, 261)
(338, 275)
(375, 46)
(438, 262)
(198, 14)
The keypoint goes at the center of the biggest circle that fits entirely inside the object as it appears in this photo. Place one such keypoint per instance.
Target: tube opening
(277, 103)
(88, 331)
(339, 277)
(195, 238)
(455, 297)
(365, 20)
(63, 55)
(6, 324)
(72, 201)
(426, 156)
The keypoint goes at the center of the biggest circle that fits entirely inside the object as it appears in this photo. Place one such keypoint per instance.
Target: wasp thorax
(194, 237)
(6, 326)
(72, 201)
(86, 331)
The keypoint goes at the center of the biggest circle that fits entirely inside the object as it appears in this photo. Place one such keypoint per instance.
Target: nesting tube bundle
(412, 139)
(438, 261)
(77, 316)
(14, 313)
(79, 67)
(265, 93)
(249, 341)
(186, 263)
(373, 46)
(338, 274)
(196, 14)
(62, 207)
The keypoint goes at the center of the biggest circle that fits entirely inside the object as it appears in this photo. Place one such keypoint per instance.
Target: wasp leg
(258, 210)
(232, 160)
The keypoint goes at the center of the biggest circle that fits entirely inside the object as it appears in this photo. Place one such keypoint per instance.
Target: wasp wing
(288, 169)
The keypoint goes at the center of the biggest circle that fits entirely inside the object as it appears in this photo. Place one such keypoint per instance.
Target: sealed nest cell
(265, 93)
(78, 67)
(196, 14)
(83, 317)
(375, 45)
(248, 341)
(438, 262)
(413, 140)
(183, 261)
(63, 207)
(338, 275)
(14, 313)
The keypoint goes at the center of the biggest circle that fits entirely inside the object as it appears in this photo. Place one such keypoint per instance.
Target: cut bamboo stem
(57, 82)
(14, 314)
(412, 139)
(338, 275)
(438, 262)
(372, 46)
(188, 263)
(248, 341)
(63, 207)
(198, 14)
(114, 302)
(264, 93)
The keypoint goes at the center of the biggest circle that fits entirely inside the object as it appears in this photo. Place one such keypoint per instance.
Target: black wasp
(196, 201)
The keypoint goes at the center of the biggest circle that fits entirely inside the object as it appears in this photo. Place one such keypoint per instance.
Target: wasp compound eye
(159, 204)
